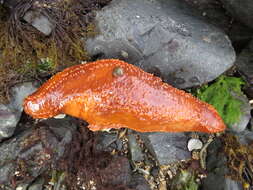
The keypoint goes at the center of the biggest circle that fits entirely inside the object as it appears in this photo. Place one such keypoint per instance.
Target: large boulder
(162, 37)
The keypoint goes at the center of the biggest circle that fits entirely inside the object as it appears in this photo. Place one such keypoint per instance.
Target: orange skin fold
(114, 94)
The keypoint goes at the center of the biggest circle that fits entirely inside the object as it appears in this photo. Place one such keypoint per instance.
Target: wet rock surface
(139, 183)
(224, 183)
(118, 172)
(245, 137)
(240, 35)
(241, 10)
(134, 147)
(166, 40)
(10, 113)
(8, 122)
(107, 142)
(39, 21)
(212, 11)
(245, 114)
(244, 64)
(169, 40)
(29, 154)
(167, 147)
(217, 170)
(37, 184)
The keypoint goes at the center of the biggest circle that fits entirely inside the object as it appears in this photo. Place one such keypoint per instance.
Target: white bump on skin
(33, 107)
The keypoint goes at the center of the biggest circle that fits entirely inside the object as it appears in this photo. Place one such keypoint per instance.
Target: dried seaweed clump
(240, 160)
(23, 48)
(88, 168)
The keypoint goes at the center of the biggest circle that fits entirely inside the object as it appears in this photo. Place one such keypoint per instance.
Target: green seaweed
(220, 95)
(184, 180)
(45, 65)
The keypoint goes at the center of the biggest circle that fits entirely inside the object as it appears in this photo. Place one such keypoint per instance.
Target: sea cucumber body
(130, 98)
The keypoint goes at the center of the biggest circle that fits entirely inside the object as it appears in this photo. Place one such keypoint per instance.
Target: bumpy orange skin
(114, 94)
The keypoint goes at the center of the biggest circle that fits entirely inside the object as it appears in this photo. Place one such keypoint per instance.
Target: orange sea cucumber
(113, 94)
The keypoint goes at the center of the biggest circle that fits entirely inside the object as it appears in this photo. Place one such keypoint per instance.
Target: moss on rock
(23, 48)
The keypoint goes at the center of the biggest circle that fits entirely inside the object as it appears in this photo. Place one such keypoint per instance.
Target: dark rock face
(245, 114)
(240, 35)
(217, 170)
(10, 113)
(26, 156)
(223, 183)
(164, 38)
(244, 64)
(118, 172)
(135, 149)
(10, 3)
(139, 183)
(213, 11)
(37, 184)
(241, 10)
(245, 137)
(8, 122)
(107, 142)
(167, 147)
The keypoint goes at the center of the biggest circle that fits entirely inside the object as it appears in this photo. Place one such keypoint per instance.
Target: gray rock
(240, 35)
(60, 184)
(135, 149)
(245, 116)
(117, 172)
(8, 122)
(138, 182)
(107, 142)
(242, 10)
(10, 3)
(232, 185)
(6, 170)
(251, 124)
(244, 64)
(164, 38)
(37, 184)
(39, 21)
(217, 170)
(223, 182)
(22, 187)
(245, 137)
(10, 114)
(18, 93)
(33, 151)
(167, 147)
(213, 11)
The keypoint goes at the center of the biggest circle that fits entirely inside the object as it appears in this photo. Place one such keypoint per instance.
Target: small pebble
(194, 144)
(124, 54)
